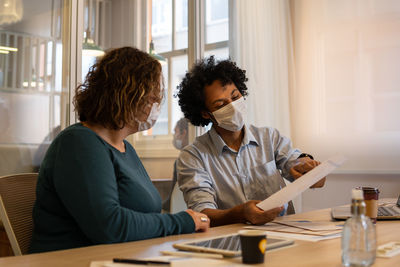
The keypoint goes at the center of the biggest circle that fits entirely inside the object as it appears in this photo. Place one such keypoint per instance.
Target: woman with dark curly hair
(92, 187)
(233, 166)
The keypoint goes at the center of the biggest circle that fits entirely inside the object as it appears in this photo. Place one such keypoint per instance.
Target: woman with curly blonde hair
(92, 187)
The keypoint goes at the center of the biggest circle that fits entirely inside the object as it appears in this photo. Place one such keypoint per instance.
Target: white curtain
(261, 43)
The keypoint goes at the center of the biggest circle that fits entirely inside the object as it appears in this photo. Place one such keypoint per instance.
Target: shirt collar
(220, 144)
(248, 137)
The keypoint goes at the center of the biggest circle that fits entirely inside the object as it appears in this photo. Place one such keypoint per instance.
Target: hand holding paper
(256, 216)
(300, 185)
(305, 165)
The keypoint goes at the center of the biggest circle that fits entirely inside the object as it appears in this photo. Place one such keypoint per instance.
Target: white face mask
(151, 119)
(231, 116)
(177, 143)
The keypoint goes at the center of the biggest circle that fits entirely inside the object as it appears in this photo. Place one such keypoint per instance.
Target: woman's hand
(201, 221)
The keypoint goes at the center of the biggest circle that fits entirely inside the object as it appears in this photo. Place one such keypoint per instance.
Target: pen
(193, 254)
(136, 261)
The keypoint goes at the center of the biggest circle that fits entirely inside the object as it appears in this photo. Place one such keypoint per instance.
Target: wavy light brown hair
(117, 86)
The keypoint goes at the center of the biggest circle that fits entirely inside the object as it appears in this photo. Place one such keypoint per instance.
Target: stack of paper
(303, 229)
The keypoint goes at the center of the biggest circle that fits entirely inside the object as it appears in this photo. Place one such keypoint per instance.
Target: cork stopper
(357, 194)
(357, 202)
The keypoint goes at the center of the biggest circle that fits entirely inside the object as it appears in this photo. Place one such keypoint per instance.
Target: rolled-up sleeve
(194, 181)
(285, 154)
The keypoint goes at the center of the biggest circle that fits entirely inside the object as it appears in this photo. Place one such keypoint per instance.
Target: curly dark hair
(204, 73)
(117, 86)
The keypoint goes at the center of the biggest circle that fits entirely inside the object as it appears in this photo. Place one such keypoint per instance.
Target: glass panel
(219, 54)
(25, 118)
(179, 68)
(217, 23)
(161, 126)
(30, 84)
(87, 62)
(181, 24)
(49, 65)
(161, 28)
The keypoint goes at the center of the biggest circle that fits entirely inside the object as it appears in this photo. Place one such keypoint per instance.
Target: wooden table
(322, 253)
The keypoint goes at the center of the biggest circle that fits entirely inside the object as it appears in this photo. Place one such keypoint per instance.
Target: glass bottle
(358, 235)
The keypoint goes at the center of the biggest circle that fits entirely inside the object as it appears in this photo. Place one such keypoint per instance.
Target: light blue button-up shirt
(212, 175)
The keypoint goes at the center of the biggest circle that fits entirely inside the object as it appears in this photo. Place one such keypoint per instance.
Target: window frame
(160, 146)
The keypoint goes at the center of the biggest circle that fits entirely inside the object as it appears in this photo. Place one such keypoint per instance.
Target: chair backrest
(17, 197)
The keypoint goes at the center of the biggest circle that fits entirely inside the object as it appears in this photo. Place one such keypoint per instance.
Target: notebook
(387, 210)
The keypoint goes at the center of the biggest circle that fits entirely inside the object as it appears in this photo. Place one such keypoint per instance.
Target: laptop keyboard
(388, 211)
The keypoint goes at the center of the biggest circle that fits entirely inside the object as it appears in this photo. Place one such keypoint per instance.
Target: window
(29, 75)
(169, 32)
(34, 92)
(217, 28)
(97, 18)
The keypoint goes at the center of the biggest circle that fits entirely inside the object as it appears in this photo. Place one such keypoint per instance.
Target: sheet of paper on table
(294, 189)
(286, 231)
(297, 236)
(314, 226)
(320, 228)
(177, 262)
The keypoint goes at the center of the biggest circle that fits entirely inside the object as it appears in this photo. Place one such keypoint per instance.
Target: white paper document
(301, 184)
(176, 262)
(312, 238)
(312, 226)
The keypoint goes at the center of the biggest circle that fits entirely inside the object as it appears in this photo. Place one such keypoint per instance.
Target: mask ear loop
(212, 118)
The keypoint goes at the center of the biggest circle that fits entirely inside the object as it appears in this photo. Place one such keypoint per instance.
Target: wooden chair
(17, 197)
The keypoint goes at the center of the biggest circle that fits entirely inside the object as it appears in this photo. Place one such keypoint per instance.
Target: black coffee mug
(253, 243)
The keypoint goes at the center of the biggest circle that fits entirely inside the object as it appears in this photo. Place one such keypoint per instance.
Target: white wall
(337, 190)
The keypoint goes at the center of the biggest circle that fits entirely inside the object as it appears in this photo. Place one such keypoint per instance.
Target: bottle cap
(357, 194)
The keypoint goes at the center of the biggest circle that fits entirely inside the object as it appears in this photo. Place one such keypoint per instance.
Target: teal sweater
(90, 193)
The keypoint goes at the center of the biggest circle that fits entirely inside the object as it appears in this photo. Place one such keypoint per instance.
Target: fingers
(294, 173)
(277, 210)
(273, 213)
(319, 184)
(305, 165)
(255, 215)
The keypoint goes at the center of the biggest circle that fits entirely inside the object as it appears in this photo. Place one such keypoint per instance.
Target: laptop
(387, 210)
